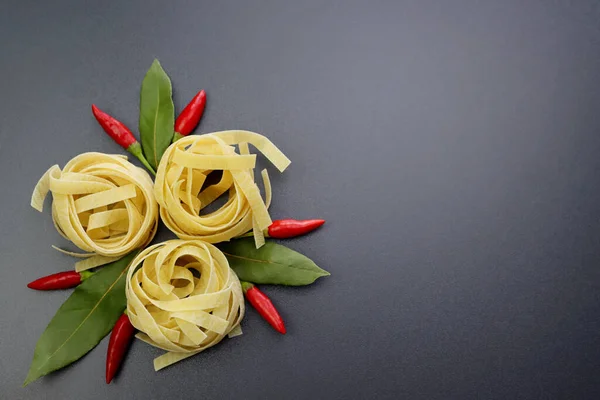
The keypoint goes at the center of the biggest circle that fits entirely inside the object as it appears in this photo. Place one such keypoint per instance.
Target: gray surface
(453, 146)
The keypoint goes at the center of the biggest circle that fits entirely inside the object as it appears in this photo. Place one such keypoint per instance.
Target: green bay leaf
(82, 321)
(157, 113)
(271, 264)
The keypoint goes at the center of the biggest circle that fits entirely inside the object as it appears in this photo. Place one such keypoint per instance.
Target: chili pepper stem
(264, 306)
(246, 286)
(86, 274)
(60, 280)
(136, 150)
(176, 137)
(250, 234)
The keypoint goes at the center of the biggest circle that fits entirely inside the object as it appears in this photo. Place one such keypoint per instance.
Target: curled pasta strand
(183, 170)
(183, 297)
(102, 203)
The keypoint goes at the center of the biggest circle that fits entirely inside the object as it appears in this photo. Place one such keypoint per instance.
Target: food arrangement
(183, 295)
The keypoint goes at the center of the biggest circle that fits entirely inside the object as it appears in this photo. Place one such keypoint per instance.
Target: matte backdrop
(452, 146)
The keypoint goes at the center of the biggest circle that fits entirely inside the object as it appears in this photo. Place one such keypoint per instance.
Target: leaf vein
(270, 262)
(84, 320)
(156, 124)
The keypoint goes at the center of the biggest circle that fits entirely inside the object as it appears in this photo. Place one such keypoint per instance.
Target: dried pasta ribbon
(183, 297)
(185, 167)
(102, 203)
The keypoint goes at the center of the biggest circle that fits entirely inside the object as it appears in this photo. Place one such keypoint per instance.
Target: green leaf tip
(82, 320)
(272, 264)
(157, 114)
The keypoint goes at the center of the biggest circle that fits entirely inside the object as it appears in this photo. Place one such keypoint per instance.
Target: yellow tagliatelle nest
(184, 298)
(102, 203)
(185, 166)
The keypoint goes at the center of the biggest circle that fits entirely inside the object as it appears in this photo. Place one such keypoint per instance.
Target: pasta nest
(182, 173)
(102, 203)
(184, 298)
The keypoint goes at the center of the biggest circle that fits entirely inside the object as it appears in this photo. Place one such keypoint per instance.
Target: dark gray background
(453, 147)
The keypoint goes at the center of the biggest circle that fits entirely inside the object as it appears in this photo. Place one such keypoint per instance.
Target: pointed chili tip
(281, 329)
(118, 344)
(200, 95)
(57, 281)
(38, 284)
(289, 228)
(98, 114)
(190, 117)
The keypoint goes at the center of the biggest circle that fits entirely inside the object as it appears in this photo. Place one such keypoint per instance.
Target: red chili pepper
(189, 118)
(60, 280)
(121, 134)
(288, 228)
(264, 306)
(120, 338)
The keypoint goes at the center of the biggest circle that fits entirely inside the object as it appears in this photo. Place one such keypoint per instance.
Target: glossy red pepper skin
(120, 339)
(115, 128)
(288, 228)
(121, 134)
(264, 306)
(60, 280)
(189, 118)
